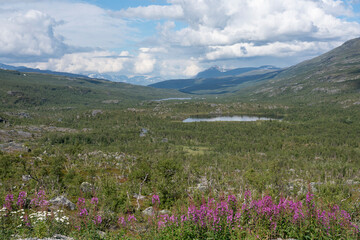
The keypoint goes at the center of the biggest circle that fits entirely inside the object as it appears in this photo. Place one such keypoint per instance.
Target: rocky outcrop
(62, 201)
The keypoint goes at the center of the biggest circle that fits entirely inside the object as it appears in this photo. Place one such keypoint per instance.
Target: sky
(170, 38)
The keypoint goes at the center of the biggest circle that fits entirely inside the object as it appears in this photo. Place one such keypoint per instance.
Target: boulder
(63, 201)
(143, 132)
(164, 212)
(26, 178)
(96, 112)
(148, 211)
(86, 187)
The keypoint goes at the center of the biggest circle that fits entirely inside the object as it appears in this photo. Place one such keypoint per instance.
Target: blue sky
(170, 39)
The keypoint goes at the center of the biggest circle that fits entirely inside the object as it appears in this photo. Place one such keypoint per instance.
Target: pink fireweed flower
(41, 193)
(83, 212)
(161, 224)
(309, 200)
(121, 221)
(155, 199)
(26, 220)
(183, 218)
(8, 202)
(39, 200)
(97, 220)
(174, 219)
(232, 198)
(21, 199)
(94, 201)
(81, 202)
(131, 218)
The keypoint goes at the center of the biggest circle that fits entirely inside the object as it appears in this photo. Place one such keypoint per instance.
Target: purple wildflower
(21, 199)
(97, 220)
(232, 198)
(131, 218)
(155, 199)
(122, 221)
(8, 202)
(83, 212)
(94, 201)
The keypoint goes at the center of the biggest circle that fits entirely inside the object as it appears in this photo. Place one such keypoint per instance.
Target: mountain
(333, 76)
(217, 81)
(217, 71)
(138, 80)
(35, 70)
(39, 89)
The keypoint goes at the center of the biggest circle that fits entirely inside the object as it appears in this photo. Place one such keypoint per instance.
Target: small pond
(168, 99)
(227, 119)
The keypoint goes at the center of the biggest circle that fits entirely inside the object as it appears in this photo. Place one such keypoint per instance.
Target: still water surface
(228, 119)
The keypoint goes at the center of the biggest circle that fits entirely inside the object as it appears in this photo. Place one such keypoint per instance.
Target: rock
(23, 134)
(110, 101)
(23, 115)
(164, 212)
(96, 112)
(164, 140)
(26, 178)
(86, 187)
(143, 132)
(55, 237)
(313, 186)
(352, 182)
(202, 186)
(13, 147)
(63, 201)
(101, 234)
(148, 211)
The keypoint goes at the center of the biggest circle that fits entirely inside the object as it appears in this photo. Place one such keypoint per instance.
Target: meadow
(211, 180)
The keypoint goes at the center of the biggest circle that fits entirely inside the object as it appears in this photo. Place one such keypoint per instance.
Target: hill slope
(333, 75)
(34, 89)
(35, 70)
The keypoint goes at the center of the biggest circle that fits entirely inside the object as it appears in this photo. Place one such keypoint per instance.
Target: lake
(168, 99)
(228, 119)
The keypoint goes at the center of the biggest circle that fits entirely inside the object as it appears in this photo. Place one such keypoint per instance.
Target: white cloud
(279, 49)
(191, 70)
(45, 28)
(265, 27)
(98, 61)
(29, 34)
(175, 68)
(144, 63)
(152, 12)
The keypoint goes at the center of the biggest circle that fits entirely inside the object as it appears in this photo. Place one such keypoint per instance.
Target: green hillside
(331, 77)
(33, 89)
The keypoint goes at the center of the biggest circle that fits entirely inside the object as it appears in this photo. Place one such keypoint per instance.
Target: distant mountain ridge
(217, 71)
(218, 81)
(138, 80)
(36, 70)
